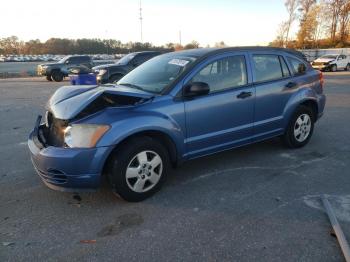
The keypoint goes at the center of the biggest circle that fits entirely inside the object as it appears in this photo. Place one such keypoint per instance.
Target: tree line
(321, 24)
(62, 46)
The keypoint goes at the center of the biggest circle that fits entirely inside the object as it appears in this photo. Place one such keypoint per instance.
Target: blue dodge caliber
(175, 107)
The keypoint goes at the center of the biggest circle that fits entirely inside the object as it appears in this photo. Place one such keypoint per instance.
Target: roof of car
(199, 52)
(145, 52)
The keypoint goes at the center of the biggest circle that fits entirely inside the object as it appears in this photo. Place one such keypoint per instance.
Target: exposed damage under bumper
(66, 169)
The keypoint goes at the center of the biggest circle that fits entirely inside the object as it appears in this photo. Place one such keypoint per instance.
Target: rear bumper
(67, 169)
(321, 101)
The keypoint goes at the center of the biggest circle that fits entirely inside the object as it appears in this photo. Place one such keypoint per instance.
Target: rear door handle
(291, 85)
(244, 95)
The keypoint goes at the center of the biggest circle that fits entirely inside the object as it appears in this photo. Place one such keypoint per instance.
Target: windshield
(63, 60)
(156, 74)
(125, 59)
(329, 56)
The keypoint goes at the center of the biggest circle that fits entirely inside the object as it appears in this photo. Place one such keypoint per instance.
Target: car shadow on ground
(246, 166)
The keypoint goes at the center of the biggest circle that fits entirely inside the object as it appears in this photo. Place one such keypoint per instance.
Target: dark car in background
(113, 72)
(58, 70)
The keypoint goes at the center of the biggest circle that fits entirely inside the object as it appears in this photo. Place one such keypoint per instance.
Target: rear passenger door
(274, 87)
(223, 118)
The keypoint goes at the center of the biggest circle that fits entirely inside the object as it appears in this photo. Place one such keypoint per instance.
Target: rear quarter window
(298, 67)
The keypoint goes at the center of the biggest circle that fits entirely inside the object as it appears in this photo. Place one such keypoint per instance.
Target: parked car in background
(332, 62)
(58, 70)
(111, 73)
(175, 107)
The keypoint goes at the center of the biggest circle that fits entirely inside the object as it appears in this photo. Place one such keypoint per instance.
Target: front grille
(54, 131)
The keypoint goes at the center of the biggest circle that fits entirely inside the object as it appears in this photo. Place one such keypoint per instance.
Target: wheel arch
(158, 135)
(312, 104)
(308, 101)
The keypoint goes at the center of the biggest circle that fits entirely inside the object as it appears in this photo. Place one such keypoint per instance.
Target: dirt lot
(257, 203)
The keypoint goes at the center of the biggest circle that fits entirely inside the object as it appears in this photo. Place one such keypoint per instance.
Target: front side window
(298, 67)
(267, 68)
(224, 73)
(73, 60)
(138, 60)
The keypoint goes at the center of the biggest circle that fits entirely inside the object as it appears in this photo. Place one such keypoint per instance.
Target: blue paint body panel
(197, 127)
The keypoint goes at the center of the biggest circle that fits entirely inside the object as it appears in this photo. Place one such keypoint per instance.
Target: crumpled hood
(69, 101)
(324, 60)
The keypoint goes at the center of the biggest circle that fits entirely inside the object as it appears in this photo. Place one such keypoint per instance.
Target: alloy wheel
(302, 127)
(144, 171)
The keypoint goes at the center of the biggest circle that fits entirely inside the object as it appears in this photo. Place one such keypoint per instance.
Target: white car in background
(332, 62)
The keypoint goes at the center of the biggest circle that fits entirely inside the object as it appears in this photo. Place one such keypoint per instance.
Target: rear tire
(347, 68)
(138, 168)
(48, 78)
(300, 127)
(57, 76)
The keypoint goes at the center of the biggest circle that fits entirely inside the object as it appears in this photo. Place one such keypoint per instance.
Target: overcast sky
(236, 22)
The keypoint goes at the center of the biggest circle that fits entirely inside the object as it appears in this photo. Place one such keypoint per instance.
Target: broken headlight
(84, 135)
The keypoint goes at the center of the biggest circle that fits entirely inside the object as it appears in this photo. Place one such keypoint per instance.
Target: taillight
(321, 79)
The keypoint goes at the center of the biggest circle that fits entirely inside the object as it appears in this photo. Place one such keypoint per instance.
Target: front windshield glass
(125, 59)
(156, 74)
(329, 56)
(63, 60)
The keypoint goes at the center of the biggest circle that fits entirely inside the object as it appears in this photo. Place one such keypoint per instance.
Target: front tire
(334, 68)
(57, 76)
(300, 127)
(138, 168)
(48, 78)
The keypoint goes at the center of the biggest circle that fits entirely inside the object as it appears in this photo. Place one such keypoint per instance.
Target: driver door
(223, 118)
(341, 61)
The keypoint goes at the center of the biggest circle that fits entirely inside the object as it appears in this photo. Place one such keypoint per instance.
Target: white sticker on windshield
(178, 62)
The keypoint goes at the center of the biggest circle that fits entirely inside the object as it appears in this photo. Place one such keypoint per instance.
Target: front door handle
(291, 85)
(244, 95)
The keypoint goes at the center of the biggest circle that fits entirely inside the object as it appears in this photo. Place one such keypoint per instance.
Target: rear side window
(223, 74)
(268, 67)
(298, 66)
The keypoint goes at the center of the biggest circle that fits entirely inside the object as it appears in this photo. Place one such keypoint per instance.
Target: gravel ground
(256, 203)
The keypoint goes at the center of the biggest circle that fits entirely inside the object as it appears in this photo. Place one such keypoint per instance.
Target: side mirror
(196, 89)
(67, 62)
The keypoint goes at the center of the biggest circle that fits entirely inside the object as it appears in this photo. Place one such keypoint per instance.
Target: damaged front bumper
(66, 169)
